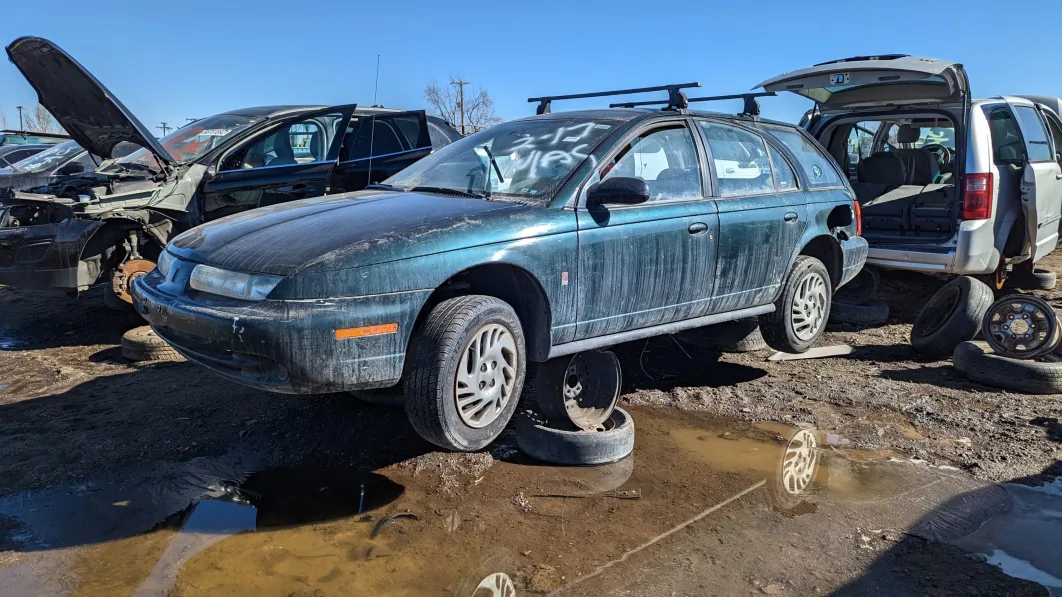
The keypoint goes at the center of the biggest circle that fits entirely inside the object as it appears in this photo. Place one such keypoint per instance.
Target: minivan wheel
(952, 315)
(801, 312)
(467, 367)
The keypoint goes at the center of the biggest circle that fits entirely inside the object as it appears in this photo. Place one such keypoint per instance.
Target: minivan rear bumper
(971, 252)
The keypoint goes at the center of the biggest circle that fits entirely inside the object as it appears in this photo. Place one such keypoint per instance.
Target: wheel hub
(1021, 327)
(485, 375)
(122, 282)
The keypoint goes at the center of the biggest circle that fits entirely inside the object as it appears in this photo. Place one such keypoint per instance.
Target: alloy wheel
(809, 306)
(485, 375)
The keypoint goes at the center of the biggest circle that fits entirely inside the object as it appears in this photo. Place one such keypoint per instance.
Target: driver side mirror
(621, 190)
(74, 167)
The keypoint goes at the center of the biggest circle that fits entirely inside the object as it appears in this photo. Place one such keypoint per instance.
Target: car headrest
(908, 134)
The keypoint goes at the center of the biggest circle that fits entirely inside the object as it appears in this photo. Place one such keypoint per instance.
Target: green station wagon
(537, 238)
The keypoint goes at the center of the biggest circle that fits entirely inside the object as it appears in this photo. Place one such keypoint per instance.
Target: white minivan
(947, 184)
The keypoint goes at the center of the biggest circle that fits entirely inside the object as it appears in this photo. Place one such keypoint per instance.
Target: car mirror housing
(621, 190)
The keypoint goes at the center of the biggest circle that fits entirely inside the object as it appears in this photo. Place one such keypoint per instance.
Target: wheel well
(511, 284)
(828, 251)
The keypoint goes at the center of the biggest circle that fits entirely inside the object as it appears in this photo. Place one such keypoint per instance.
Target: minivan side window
(820, 169)
(1007, 147)
(739, 159)
(1037, 145)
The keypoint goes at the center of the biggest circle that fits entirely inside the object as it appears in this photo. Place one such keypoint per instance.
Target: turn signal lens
(368, 330)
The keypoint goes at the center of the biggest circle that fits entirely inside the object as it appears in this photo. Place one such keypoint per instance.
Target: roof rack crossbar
(752, 107)
(675, 99)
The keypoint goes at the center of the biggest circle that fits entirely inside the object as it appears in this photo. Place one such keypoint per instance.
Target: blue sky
(172, 60)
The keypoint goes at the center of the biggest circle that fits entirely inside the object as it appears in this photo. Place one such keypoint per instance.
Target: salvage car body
(12, 137)
(579, 277)
(63, 159)
(993, 208)
(110, 224)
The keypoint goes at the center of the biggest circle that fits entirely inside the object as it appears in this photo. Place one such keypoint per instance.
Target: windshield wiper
(382, 187)
(497, 169)
(448, 191)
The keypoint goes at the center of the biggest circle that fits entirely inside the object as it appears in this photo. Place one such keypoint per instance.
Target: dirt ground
(74, 414)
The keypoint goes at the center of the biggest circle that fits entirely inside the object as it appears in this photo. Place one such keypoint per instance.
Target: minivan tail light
(858, 209)
(977, 197)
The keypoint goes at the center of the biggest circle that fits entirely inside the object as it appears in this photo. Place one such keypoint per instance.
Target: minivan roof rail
(752, 107)
(676, 99)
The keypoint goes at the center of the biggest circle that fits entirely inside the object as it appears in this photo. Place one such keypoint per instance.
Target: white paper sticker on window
(214, 132)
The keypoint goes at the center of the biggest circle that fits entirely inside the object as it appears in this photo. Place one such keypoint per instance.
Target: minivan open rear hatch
(867, 81)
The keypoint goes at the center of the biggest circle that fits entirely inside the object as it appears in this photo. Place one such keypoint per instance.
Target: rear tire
(863, 315)
(1037, 279)
(801, 312)
(473, 331)
(952, 315)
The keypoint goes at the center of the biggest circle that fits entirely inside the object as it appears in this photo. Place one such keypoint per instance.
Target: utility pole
(460, 101)
(165, 128)
(20, 127)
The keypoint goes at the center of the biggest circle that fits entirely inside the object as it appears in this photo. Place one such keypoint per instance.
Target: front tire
(467, 371)
(801, 312)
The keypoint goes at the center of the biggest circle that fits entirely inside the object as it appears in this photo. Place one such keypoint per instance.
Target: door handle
(791, 217)
(698, 228)
(299, 188)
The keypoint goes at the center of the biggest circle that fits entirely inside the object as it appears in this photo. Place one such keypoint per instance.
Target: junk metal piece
(583, 389)
(388, 520)
(818, 352)
(1021, 326)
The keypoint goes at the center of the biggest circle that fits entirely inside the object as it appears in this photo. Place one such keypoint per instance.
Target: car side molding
(560, 350)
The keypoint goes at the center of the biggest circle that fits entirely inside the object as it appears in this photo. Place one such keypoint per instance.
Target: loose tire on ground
(437, 351)
(952, 315)
(976, 361)
(801, 312)
(1038, 279)
(870, 313)
(576, 447)
(861, 289)
(742, 335)
(142, 344)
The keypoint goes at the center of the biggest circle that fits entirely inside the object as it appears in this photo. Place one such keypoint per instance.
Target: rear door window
(385, 134)
(784, 177)
(818, 168)
(739, 159)
(1037, 144)
(1007, 146)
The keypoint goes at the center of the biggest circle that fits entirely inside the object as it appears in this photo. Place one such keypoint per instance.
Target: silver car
(947, 184)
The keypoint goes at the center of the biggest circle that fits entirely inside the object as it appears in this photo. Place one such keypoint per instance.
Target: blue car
(542, 237)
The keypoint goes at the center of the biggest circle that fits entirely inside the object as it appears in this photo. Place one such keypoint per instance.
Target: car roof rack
(752, 107)
(676, 99)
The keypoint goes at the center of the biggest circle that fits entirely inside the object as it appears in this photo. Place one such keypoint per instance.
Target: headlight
(248, 287)
(165, 264)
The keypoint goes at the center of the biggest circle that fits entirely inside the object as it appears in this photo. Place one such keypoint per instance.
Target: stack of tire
(854, 303)
(576, 421)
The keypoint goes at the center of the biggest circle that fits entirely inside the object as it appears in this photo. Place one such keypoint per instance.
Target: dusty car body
(12, 137)
(567, 232)
(9, 154)
(110, 224)
(948, 184)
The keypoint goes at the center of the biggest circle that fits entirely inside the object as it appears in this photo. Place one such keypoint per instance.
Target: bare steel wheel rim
(809, 306)
(799, 462)
(485, 375)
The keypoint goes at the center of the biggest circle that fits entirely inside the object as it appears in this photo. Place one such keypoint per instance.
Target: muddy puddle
(702, 507)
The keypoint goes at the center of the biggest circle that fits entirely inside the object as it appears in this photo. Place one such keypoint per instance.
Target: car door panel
(379, 146)
(239, 189)
(1041, 183)
(652, 263)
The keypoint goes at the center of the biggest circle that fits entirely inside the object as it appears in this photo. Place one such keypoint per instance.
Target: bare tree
(41, 121)
(471, 111)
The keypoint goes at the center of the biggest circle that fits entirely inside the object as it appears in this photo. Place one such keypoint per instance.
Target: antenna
(372, 131)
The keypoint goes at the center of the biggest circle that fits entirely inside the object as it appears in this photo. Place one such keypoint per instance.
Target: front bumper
(854, 257)
(48, 256)
(286, 346)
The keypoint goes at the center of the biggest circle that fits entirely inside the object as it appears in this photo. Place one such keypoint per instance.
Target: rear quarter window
(818, 168)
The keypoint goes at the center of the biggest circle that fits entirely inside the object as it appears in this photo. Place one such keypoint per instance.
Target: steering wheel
(945, 157)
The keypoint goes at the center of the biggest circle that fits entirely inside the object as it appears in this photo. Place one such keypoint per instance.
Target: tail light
(977, 197)
(858, 209)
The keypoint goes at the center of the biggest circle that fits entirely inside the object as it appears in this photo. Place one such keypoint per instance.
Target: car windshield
(192, 141)
(49, 158)
(526, 160)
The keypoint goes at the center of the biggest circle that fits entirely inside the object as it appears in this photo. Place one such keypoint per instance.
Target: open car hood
(89, 112)
(894, 79)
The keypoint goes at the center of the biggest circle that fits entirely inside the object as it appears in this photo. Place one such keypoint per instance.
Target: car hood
(89, 112)
(339, 231)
